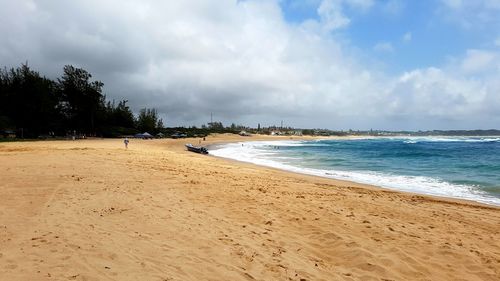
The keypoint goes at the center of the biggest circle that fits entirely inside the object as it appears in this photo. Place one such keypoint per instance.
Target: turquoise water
(458, 167)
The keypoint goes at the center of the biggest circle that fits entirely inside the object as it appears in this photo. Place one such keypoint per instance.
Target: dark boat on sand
(197, 149)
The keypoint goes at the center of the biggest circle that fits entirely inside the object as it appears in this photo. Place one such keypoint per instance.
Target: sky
(336, 64)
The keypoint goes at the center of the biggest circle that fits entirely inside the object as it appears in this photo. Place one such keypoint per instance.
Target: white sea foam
(256, 152)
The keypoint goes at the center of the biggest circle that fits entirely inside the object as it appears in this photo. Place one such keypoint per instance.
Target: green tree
(118, 120)
(218, 126)
(148, 121)
(120, 115)
(83, 101)
(28, 102)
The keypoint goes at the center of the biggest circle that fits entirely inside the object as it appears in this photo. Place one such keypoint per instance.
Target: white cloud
(472, 14)
(450, 92)
(393, 7)
(407, 37)
(331, 12)
(332, 16)
(479, 61)
(433, 93)
(383, 47)
(243, 62)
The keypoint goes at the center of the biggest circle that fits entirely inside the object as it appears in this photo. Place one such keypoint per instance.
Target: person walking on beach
(125, 141)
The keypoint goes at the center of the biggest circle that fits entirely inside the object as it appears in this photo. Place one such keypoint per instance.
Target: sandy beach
(91, 210)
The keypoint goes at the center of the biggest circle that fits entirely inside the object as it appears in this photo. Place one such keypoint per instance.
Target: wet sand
(91, 210)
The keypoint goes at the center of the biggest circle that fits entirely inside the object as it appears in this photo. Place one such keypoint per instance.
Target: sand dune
(91, 210)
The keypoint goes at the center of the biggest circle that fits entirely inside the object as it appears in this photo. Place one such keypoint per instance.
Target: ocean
(454, 167)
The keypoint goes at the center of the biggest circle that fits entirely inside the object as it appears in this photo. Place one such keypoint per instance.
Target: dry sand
(91, 210)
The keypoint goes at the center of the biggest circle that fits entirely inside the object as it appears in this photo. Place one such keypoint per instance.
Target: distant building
(8, 134)
(144, 136)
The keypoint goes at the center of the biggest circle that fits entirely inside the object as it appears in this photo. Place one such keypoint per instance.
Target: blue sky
(433, 34)
(337, 64)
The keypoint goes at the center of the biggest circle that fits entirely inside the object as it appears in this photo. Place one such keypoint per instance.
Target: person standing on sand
(125, 141)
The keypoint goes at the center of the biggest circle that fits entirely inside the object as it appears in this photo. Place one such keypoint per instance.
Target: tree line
(34, 106)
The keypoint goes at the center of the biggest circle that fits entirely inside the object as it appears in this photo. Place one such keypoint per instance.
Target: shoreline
(347, 181)
(370, 187)
(92, 210)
